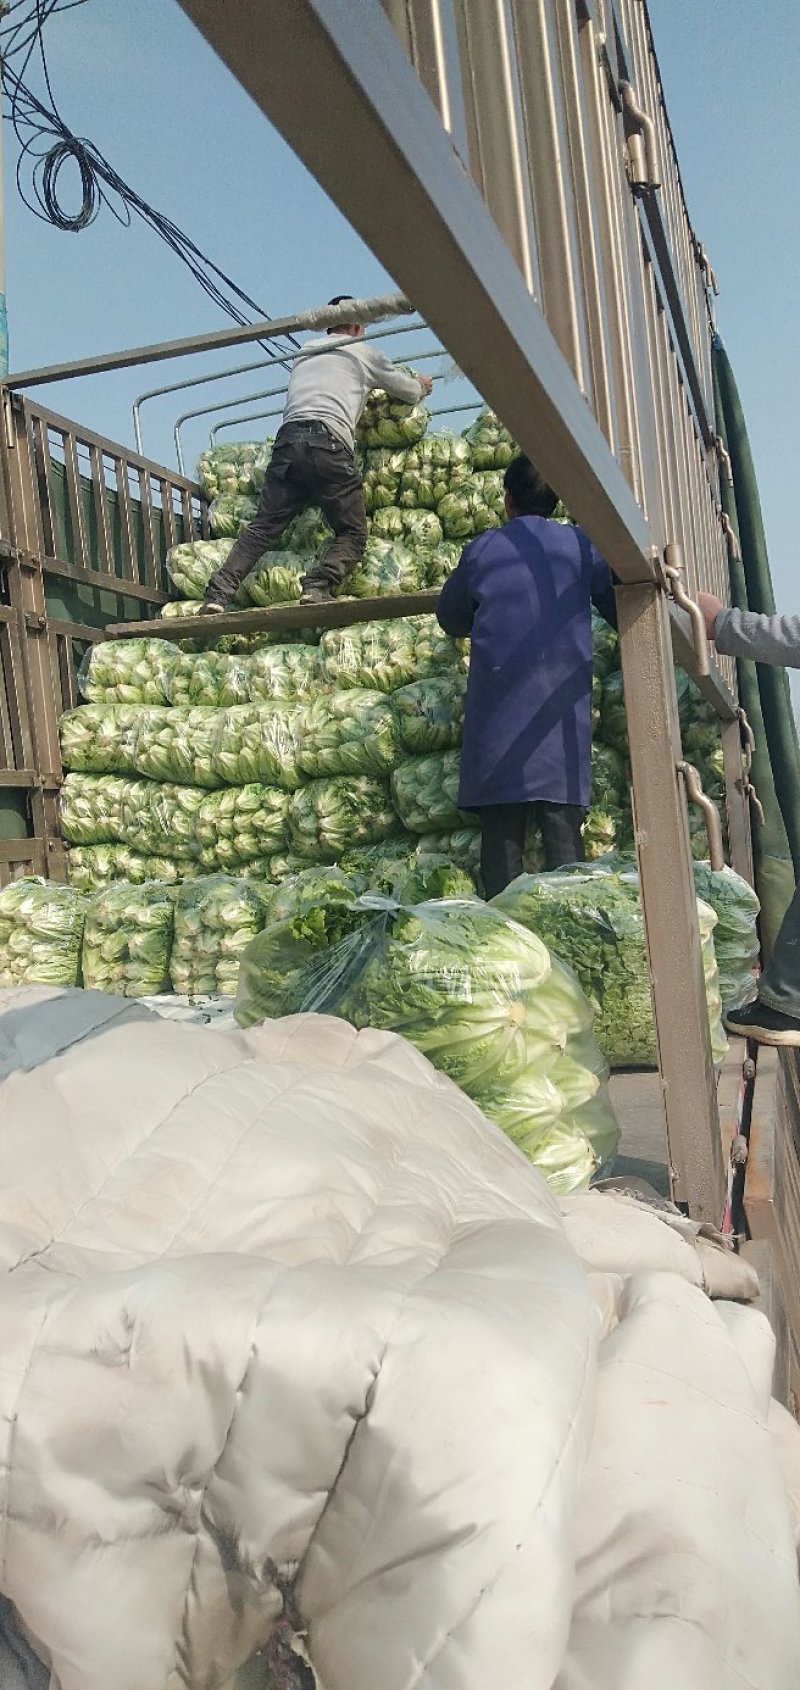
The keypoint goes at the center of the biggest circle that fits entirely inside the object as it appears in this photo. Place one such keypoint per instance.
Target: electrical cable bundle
(47, 145)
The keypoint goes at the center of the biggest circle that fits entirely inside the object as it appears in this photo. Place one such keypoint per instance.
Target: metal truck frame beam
(335, 81)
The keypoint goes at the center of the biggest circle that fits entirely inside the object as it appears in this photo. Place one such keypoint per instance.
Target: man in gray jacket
(313, 460)
(774, 1017)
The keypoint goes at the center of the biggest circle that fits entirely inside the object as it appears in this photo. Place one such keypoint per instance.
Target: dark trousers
(503, 831)
(309, 466)
(779, 985)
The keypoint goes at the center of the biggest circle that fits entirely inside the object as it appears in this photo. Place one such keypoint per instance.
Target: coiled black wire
(47, 145)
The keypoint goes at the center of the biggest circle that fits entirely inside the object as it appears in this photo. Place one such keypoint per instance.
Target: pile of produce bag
(478, 505)
(431, 471)
(91, 867)
(41, 928)
(425, 792)
(127, 940)
(429, 714)
(420, 529)
(326, 817)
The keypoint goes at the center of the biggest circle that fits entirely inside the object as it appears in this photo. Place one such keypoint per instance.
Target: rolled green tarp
(774, 868)
(773, 683)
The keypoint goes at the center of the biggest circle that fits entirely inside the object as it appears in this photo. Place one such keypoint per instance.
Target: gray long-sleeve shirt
(766, 639)
(333, 378)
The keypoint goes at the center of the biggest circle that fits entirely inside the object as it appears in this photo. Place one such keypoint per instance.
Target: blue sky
(177, 126)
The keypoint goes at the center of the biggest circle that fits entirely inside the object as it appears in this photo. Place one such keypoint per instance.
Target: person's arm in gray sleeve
(396, 382)
(766, 639)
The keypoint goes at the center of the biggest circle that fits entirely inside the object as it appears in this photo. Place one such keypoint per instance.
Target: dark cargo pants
(309, 466)
(779, 986)
(503, 830)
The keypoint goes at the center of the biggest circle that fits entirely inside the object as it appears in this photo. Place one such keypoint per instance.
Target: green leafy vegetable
(216, 918)
(425, 792)
(41, 927)
(127, 940)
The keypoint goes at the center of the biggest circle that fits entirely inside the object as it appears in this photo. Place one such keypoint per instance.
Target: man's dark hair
(341, 299)
(530, 493)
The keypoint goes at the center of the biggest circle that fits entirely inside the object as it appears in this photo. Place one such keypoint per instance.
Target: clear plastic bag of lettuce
(41, 929)
(240, 824)
(91, 867)
(736, 941)
(351, 732)
(591, 918)
(127, 940)
(461, 846)
(191, 565)
(101, 738)
(477, 505)
(277, 579)
(236, 468)
(327, 817)
(418, 529)
(216, 918)
(387, 567)
(382, 473)
(483, 999)
(391, 422)
(491, 445)
(230, 513)
(429, 714)
(128, 672)
(315, 937)
(388, 655)
(425, 792)
(439, 465)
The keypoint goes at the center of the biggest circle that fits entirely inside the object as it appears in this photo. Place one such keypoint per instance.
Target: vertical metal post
(668, 900)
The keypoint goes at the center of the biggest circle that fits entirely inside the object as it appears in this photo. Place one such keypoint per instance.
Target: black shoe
(209, 607)
(767, 1026)
(316, 595)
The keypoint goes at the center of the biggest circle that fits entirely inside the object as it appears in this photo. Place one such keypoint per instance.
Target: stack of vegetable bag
(41, 928)
(591, 918)
(127, 940)
(236, 468)
(476, 992)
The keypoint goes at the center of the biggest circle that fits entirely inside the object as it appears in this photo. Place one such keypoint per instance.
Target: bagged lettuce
(312, 941)
(91, 867)
(91, 809)
(128, 672)
(212, 678)
(387, 655)
(425, 792)
(439, 465)
(259, 742)
(101, 738)
(482, 998)
(351, 732)
(460, 846)
(490, 444)
(41, 928)
(382, 474)
(591, 918)
(241, 824)
(442, 562)
(284, 671)
(191, 565)
(478, 505)
(391, 422)
(419, 529)
(736, 941)
(277, 579)
(429, 714)
(331, 816)
(236, 468)
(388, 566)
(230, 513)
(307, 533)
(127, 939)
(216, 918)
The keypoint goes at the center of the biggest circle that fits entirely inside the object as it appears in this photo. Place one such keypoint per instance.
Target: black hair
(530, 493)
(341, 299)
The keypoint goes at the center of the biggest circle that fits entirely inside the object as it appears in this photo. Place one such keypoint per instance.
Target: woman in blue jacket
(524, 594)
